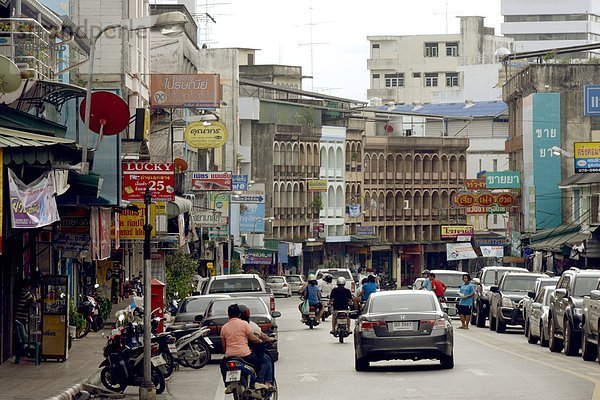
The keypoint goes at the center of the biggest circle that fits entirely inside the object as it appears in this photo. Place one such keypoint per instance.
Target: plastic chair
(25, 347)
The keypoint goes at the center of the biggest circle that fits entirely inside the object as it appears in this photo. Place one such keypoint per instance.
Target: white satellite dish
(10, 76)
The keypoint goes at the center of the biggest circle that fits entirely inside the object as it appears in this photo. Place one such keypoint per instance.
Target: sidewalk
(26, 381)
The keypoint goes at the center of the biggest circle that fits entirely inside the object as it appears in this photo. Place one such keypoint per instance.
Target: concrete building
(537, 25)
(414, 69)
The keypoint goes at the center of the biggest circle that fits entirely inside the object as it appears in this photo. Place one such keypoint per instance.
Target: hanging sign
(459, 251)
(503, 180)
(206, 135)
(492, 251)
(33, 205)
(158, 177)
(317, 185)
(453, 231)
(475, 184)
(211, 181)
(483, 199)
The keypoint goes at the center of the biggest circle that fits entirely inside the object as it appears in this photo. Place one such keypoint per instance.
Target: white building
(332, 149)
(415, 69)
(536, 25)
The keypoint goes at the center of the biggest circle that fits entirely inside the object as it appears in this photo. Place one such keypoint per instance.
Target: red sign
(211, 181)
(158, 177)
(464, 199)
(475, 184)
(505, 199)
(485, 200)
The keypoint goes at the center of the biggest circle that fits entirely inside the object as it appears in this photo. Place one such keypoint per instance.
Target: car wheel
(500, 325)
(480, 317)
(555, 344)
(530, 338)
(588, 352)
(361, 364)
(447, 362)
(571, 346)
(492, 322)
(543, 339)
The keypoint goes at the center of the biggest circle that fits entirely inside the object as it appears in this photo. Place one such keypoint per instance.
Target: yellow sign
(587, 149)
(454, 231)
(205, 135)
(131, 223)
(317, 185)
(54, 335)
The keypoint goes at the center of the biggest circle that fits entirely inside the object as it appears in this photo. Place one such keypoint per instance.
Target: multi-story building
(537, 25)
(418, 69)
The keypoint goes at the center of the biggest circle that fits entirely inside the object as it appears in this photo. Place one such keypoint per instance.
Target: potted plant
(76, 319)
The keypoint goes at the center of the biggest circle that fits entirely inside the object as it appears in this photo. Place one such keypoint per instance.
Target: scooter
(93, 317)
(342, 330)
(192, 348)
(311, 318)
(243, 376)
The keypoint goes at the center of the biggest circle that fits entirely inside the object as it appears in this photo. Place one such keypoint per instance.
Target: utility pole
(147, 389)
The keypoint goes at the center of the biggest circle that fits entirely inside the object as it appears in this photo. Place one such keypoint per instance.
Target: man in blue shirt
(368, 288)
(467, 292)
(426, 283)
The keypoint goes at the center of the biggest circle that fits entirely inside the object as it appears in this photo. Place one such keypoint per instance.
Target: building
(537, 25)
(424, 68)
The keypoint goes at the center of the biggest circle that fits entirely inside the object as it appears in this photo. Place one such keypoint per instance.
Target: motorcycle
(243, 376)
(90, 309)
(328, 310)
(123, 366)
(188, 347)
(311, 317)
(342, 330)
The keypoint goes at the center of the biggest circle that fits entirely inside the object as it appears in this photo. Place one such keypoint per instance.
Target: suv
(487, 277)
(336, 273)
(590, 324)
(505, 304)
(453, 281)
(564, 315)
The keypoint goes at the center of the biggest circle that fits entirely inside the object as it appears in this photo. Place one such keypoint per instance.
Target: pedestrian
(426, 285)
(437, 286)
(23, 302)
(466, 293)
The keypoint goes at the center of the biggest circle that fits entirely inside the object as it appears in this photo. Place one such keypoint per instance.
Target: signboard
(220, 202)
(587, 157)
(55, 316)
(317, 185)
(211, 181)
(131, 223)
(591, 102)
(73, 242)
(257, 257)
(206, 135)
(354, 210)
(492, 251)
(158, 177)
(503, 180)
(249, 198)
(239, 182)
(453, 231)
(206, 218)
(365, 230)
(490, 241)
(252, 218)
(459, 251)
(483, 199)
(494, 209)
(475, 184)
(32, 205)
(318, 227)
(185, 91)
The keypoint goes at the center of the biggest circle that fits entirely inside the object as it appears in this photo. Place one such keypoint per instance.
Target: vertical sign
(220, 203)
(591, 95)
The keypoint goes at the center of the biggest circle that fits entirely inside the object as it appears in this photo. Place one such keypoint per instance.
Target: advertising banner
(185, 91)
(252, 218)
(503, 180)
(492, 251)
(463, 199)
(354, 210)
(257, 257)
(206, 218)
(587, 157)
(73, 242)
(206, 135)
(211, 181)
(158, 177)
(317, 185)
(365, 230)
(454, 231)
(33, 205)
(282, 252)
(459, 251)
(475, 184)
(239, 182)
(131, 223)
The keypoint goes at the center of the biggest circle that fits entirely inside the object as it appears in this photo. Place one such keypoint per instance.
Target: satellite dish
(180, 164)
(10, 76)
(109, 113)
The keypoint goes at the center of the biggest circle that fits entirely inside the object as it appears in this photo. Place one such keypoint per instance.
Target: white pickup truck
(239, 285)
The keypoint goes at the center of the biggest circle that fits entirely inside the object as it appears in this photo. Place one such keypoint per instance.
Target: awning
(579, 180)
(249, 249)
(179, 206)
(363, 238)
(15, 138)
(553, 239)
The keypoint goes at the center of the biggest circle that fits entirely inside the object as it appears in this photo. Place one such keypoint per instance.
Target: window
(494, 165)
(375, 45)
(431, 79)
(375, 76)
(452, 49)
(416, 74)
(451, 79)
(394, 80)
(431, 49)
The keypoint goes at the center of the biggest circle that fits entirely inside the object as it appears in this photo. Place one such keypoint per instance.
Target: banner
(33, 205)
(354, 210)
(212, 181)
(492, 251)
(100, 226)
(257, 257)
(131, 223)
(252, 218)
(459, 251)
(219, 202)
(365, 230)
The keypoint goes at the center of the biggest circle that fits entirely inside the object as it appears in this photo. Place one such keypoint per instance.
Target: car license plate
(402, 326)
(172, 348)
(157, 361)
(233, 376)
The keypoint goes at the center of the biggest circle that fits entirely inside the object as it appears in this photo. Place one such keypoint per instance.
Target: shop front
(411, 261)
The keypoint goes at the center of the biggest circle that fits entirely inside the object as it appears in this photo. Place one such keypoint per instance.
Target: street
(488, 366)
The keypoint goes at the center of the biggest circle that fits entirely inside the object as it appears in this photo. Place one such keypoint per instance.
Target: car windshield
(402, 303)
(547, 296)
(294, 279)
(275, 279)
(256, 306)
(337, 274)
(451, 280)
(489, 277)
(232, 285)
(584, 285)
(195, 305)
(520, 283)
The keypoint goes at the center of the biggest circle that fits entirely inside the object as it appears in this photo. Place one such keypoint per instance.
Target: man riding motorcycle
(341, 299)
(313, 295)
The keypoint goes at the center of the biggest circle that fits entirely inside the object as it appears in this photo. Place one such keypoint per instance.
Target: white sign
(206, 218)
(492, 251)
(459, 251)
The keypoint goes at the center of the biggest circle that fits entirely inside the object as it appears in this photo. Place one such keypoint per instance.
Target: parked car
(417, 284)
(336, 273)
(529, 299)
(453, 280)
(296, 282)
(279, 285)
(194, 305)
(403, 325)
(590, 324)
(484, 279)
(506, 299)
(216, 316)
(537, 317)
(564, 319)
(236, 285)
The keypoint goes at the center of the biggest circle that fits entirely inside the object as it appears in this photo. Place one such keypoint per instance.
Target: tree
(180, 270)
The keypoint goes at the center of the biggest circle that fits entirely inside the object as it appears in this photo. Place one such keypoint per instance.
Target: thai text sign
(239, 182)
(492, 251)
(459, 251)
(365, 230)
(483, 199)
(317, 185)
(206, 218)
(258, 257)
(131, 223)
(587, 157)
(211, 181)
(220, 202)
(206, 135)
(494, 209)
(503, 180)
(33, 205)
(475, 184)
(185, 91)
(158, 177)
(454, 231)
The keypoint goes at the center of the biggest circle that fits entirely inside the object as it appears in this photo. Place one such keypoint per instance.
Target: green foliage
(594, 60)
(75, 317)
(318, 202)
(305, 117)
(105, 306)
(180, 270)
(236, 267)
(254, 271)
(549, 55)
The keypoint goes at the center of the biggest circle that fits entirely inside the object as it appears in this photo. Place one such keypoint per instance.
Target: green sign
(503, 180)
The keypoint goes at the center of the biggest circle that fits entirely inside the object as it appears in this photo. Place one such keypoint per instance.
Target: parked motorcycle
(90, 309)
(243, 376)
(191, 347)
(342, 330)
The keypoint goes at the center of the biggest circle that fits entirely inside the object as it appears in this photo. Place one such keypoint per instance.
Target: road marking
(478, 372)
(308, 377)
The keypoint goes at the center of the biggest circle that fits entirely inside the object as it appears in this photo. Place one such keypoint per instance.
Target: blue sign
(239, 182)
(248, 199)
(591, 100)
(252, 218)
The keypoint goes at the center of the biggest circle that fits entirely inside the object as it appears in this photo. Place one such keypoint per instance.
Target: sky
(338, 29)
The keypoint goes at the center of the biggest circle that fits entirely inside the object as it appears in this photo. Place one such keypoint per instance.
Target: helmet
(425, 271)
(328, 278)
(244, 312)
(312, 277)
(341, 281)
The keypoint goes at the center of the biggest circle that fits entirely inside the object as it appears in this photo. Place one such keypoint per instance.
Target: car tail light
(370, 325)
(266, 327)
(154, 347)
(437, 323)
(272, 303)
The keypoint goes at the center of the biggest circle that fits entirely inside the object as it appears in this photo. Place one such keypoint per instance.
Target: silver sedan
(538, 317)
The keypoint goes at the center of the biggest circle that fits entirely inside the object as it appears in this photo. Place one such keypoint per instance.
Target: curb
(90, 383)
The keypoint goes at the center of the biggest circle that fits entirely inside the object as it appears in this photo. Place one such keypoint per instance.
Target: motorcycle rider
(366, 290)
(341, 299)
(235, 336)
(313, 295)
(426, 285)
(326, 285)
(265, 375)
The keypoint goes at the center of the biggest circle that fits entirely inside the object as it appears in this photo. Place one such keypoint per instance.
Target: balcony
(28, 45)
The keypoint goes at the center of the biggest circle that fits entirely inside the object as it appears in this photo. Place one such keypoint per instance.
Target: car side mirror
(595, 295)
(276, 314)
(531, 294)
(560, 293)
(494, 289)
(536, 306)
(476, 281)
(198, 318)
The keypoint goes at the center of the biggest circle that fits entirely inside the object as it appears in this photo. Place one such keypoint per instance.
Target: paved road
(488, 366)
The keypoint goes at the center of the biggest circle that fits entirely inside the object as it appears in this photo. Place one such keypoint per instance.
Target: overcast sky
(281, 29)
